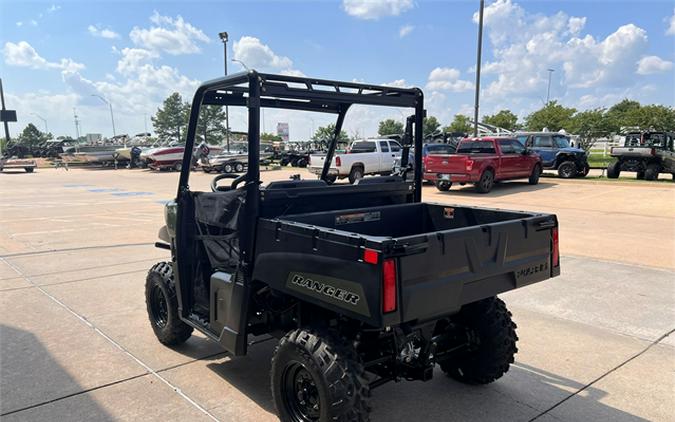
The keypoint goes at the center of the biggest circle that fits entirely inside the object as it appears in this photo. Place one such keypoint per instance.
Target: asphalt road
(75, 342)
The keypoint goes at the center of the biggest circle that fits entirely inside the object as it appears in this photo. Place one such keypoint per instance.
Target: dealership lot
(595, 343)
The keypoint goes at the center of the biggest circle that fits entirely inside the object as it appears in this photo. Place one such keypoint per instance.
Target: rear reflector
(370, 256)
(556, 248)
(338, 161)
(388, 285)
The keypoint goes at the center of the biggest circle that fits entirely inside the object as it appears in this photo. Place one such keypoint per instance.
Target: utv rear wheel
(534, 177)
(567, 170)
(614, 170)
(355, 174)
(160, 298)
(492, 345)
(487, 180)
(652, 172)
(316, 376)
(443, 186)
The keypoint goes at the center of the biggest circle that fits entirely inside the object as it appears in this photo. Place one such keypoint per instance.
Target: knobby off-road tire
(443, 186)
(495, 346)
(614, 170)
(534, 177)
(487, 180)
(567, 169)
(160, 299)
(316, 376)
(652, 172)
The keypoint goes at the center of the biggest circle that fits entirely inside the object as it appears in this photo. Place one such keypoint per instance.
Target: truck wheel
(567, 169)
(330, 179)
(534, 177)
(28, 169)
(316, 376)
(493, 346)
(652, 172)
(227, 168)
(160, 299)
(614, 170)
(238, 168)
(443, 186)
(487, 180)
(178, 166)
(355, 174)
(302, 162)
(640, 175)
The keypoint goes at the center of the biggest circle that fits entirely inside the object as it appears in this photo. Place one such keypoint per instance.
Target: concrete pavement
(75, 343)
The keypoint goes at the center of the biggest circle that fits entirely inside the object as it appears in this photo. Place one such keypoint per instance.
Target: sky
(57, 55)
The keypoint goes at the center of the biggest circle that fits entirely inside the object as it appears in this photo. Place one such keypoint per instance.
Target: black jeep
(362, 284)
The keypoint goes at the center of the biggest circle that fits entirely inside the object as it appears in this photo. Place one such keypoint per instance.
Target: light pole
(43, 121)
(478, 57)
(224, 37)
(548, 90)
(112, 117)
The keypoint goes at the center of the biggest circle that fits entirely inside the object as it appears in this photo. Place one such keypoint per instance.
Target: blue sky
(56, 54)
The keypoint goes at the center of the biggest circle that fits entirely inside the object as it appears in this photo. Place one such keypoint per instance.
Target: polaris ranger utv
(362, 284)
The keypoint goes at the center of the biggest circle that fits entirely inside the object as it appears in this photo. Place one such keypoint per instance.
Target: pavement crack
(617, 367)
(83, 248)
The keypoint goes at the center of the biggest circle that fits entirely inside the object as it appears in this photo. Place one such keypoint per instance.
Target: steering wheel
(233, 185)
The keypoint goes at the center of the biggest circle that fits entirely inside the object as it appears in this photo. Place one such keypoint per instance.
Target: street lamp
(43, 121)
(478, 59)
(224, 37)
(548, 90)
(241, 63)
(112, 117)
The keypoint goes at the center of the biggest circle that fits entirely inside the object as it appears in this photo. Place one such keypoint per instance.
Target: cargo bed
(445, 256)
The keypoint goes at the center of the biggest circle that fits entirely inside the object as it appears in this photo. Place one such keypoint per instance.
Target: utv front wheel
(318, 377)
(492, 343)
(160, 298)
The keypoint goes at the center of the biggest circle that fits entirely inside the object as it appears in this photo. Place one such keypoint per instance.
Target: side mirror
(526, 152)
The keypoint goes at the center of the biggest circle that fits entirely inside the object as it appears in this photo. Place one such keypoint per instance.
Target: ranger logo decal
(345, 294)
(326, 289)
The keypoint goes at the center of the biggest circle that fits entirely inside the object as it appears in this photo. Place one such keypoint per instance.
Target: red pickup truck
(482, 161)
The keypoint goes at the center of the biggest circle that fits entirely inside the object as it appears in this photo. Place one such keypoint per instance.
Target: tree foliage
(552, 116)
(170, 121)
(31, 136)
(461, 123)
(390, 127)
(504, 119)
(326, 133)
(430, 125)
(211, 124)
(590, 125)
(270, 137)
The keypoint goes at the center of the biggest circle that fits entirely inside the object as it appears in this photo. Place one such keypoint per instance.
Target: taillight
(556, 247)
(469, 165)
(388, 285)
(370, 256)
(338, 161)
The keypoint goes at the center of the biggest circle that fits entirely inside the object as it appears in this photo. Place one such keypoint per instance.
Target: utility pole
(77, 125)
(478, 59)
(145, 121)
(112, 117)
(224, 37)
(548, 90)
(43, 121)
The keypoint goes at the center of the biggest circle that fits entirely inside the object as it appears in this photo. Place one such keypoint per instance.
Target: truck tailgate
(446, 164)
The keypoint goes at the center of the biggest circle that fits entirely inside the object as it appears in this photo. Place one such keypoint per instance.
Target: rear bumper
(453, 177)
(318, 170)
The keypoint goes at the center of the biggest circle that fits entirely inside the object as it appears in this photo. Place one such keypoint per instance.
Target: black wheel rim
(301, 393)
(159, 307)
(566, 171)
(487, 181)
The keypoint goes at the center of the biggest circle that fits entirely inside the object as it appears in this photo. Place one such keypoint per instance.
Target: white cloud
(398, 83)
(19, 24)
(53, 8)
(447, 79)
(671, 24)
(405, 30)
(97, 31)
(133, 58)
(653, 64)
(375, 9)
(23, 54)
(174, 36)
(257, 55)
(575, 25)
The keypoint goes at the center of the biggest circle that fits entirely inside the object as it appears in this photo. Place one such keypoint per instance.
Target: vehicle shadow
(33, 383)
(500, 189)
(521, 395)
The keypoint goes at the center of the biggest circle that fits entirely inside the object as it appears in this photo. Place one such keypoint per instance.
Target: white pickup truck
(364, 156)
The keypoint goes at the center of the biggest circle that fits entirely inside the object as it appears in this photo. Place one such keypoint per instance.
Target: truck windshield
(562, 141)
(476, 147)
(440, 149)
(363, 146)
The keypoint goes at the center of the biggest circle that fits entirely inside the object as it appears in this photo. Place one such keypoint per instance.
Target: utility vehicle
(362, 283)
(646, 153)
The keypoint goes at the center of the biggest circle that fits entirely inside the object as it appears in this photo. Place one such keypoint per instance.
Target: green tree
(31, 135)
(656, 117)
(552, 116)
(504, 119)
(270, 137)
(390, 127)
(461, 123)
(590, 125)
(326, 133)
(171, 119)
(211, 124)
(430, 125)
(624, 114)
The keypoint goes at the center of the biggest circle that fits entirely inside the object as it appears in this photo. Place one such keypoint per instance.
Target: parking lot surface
(596, 343)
